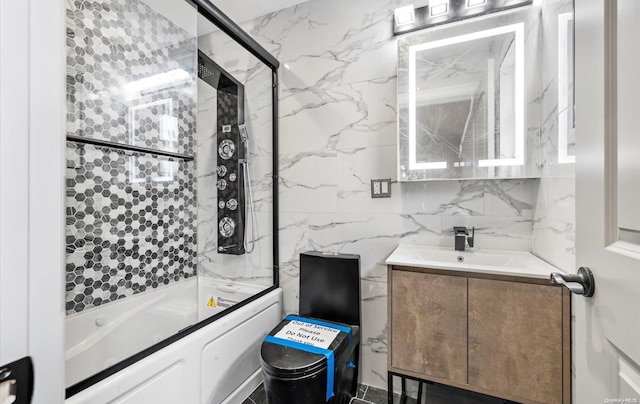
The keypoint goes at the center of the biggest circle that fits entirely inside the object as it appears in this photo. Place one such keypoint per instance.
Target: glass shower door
(131, 205)
(170, 215)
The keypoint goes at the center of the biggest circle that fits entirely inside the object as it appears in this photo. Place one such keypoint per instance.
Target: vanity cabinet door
(516, 339)
(428, 316)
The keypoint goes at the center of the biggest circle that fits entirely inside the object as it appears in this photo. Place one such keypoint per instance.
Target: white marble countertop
(495, 262)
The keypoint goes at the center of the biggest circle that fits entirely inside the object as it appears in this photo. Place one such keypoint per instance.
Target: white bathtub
(218, 363)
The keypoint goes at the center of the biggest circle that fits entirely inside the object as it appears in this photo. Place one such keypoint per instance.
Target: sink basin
(466, 257)
(498, 262)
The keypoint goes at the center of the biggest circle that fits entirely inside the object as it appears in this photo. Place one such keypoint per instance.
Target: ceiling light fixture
(404, 15)
(438, 7)
(409, 18)
(476, 3)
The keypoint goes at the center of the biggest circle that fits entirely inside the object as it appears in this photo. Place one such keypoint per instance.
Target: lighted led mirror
(566, 121)
(462, 100)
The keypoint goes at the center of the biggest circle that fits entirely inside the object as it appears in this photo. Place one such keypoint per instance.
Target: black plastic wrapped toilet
(296, 371)
(299, 373)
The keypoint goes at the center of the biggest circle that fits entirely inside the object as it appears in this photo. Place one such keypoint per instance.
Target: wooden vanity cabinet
(438, 315)
(504, 336)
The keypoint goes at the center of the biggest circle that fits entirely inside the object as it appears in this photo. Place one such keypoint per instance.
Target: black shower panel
(230, 155)
(230, 181)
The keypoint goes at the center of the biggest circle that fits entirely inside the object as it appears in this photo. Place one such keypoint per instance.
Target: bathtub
(218, 363)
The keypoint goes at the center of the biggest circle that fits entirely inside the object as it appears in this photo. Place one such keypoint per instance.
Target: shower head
(208, 71)
(214, 75)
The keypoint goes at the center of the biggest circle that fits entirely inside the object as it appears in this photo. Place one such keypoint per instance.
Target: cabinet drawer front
(429, 324)
(515, 339)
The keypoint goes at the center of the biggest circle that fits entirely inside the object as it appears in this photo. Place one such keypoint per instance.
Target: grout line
(366, 389)
(360, 399)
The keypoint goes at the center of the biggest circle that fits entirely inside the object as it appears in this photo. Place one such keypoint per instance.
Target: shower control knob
(221, 204)
(232, 204)
(227, 227)
(222, 171)
(226, 149)
(222, 184)
(232, 177)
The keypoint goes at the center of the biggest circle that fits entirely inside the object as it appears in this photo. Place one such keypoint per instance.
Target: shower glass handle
(16, 382)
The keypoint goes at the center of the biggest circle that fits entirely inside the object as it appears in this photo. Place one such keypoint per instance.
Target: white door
(606, 350)
(14, 280)
(32, 60)
(13, 185)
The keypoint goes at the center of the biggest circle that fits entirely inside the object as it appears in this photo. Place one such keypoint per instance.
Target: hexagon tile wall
(131, 217)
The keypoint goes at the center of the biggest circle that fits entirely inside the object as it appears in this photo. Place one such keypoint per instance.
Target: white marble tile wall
(255, 267)
(554, 218)
(337, 132)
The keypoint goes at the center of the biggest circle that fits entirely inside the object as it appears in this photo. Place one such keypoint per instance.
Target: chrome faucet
(462, 237)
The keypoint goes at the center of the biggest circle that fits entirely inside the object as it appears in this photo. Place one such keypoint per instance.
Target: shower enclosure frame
(229, 27)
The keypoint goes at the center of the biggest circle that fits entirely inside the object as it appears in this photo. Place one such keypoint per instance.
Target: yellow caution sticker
(211, 302)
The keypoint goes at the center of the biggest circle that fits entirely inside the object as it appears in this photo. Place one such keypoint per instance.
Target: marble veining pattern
(255, 267)
(554, 218)
(338, 130)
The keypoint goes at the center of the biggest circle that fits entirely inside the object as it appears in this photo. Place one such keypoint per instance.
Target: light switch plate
(381, 188)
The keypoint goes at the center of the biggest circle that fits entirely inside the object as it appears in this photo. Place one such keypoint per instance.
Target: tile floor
(434, 394)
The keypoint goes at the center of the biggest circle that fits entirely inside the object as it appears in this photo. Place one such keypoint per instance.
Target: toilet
(313, 357)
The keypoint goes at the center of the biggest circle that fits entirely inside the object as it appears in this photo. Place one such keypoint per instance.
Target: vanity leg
(419, 393)
(389, 388)
(403, 396)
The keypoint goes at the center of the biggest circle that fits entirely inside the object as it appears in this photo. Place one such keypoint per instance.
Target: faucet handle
(462, 237)
(460, 230)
